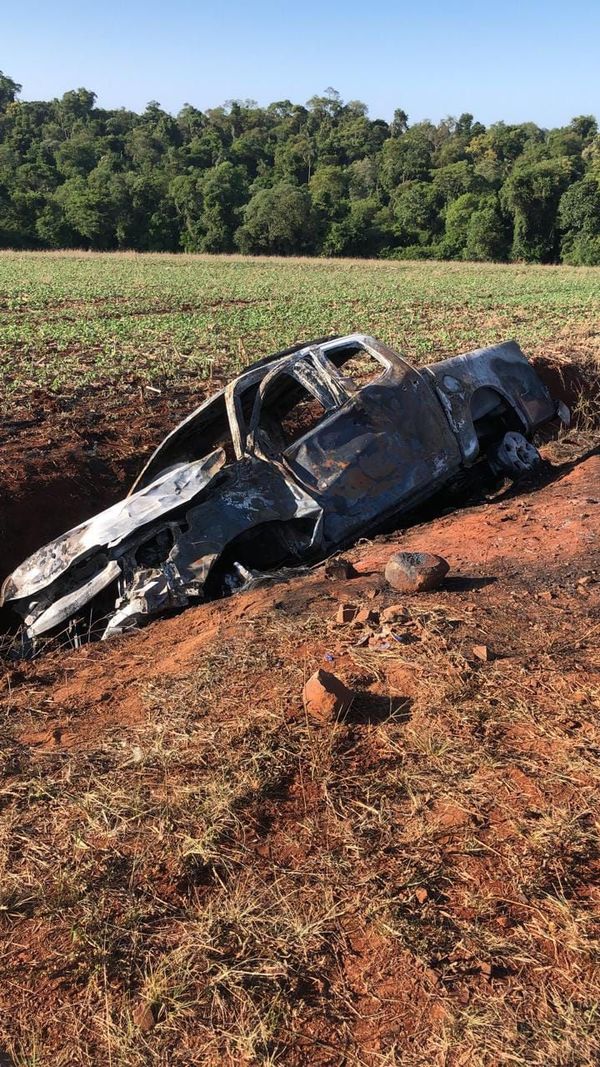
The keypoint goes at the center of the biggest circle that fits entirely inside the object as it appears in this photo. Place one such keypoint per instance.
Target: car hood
(159, 545)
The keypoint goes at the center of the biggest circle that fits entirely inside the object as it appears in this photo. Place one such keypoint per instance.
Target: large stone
(416, 572)
(326, 697)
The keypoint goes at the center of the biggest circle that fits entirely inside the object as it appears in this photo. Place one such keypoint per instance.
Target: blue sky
(511, 60)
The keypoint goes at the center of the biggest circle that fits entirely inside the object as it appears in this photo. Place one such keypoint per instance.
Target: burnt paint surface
(380, 449)
(504, 370)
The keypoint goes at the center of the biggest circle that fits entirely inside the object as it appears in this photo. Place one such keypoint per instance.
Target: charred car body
(298, 456)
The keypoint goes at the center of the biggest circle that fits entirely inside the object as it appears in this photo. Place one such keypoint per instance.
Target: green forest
(289, 179)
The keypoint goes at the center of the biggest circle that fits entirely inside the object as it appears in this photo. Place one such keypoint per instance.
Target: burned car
(301, 454)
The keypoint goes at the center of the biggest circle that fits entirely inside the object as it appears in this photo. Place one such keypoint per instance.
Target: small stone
(346, 613)
(395, 613)
(339, 568)
(366, 616)
(416, 572)
(379, 642)
(325, 696)
(143, 1017)
(421, 894)
(482, 652)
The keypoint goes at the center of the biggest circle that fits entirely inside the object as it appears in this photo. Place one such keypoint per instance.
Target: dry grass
(227, 883)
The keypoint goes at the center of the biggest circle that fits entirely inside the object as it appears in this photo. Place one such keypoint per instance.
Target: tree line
(288, 179)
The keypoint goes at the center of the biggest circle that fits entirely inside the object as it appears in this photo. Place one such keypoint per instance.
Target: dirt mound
(576, 384)
(62, 459)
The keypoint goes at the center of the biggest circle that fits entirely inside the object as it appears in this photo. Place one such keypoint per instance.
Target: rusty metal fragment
(300, 455)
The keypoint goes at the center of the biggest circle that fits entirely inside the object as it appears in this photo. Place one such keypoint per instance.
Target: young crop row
(69, 320)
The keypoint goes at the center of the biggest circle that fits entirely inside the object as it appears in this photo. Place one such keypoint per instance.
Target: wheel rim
(516, 453)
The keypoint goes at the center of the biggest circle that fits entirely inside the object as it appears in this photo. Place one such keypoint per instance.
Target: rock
(421, 894)
(416, 572)
(395, 613)
(482, 652)
(325, 696)
(143, 1017)
(367, 617)
(346, 613)
(380, 642)
(338, 567)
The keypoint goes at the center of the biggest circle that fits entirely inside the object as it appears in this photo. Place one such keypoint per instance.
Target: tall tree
(321, 177)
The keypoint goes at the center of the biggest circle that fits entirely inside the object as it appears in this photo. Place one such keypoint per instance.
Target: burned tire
(514, 456)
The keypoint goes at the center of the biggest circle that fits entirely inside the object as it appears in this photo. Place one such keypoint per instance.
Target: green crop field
(71, 319)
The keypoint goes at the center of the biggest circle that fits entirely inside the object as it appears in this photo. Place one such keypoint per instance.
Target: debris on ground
(346, 613)
(394, 613)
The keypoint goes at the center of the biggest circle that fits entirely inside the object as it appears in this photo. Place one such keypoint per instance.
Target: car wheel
(514, 455)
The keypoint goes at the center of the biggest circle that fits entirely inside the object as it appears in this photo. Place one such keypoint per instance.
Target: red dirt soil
(532, 538)
(524, 584)
(62, 459)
